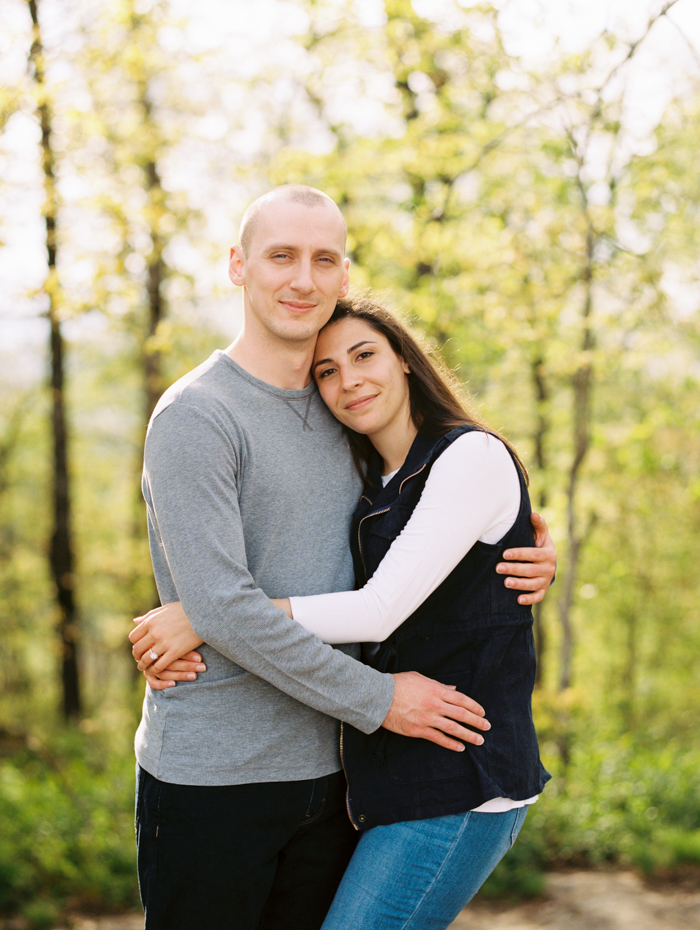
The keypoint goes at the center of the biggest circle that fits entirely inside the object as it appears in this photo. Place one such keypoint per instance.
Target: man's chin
(299, 333)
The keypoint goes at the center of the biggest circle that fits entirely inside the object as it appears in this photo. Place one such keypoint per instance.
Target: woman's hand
(184, 669)
(167, 633)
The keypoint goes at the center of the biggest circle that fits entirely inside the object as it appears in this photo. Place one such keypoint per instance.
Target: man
(250, 487)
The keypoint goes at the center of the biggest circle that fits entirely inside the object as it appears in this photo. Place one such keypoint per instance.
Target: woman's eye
(366, 354)
(323, 374)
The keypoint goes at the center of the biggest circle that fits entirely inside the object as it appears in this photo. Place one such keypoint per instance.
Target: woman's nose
(349, 379)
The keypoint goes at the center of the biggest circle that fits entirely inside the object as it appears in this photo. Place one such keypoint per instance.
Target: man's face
(294, 270)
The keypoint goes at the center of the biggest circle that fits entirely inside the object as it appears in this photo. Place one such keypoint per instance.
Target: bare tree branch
(634, 47)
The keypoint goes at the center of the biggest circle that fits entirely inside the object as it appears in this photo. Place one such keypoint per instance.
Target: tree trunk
(155, 313)
(582, 385)
(538, 375)
(61, 554)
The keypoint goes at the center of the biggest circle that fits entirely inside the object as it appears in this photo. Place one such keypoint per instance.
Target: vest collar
(422, 451)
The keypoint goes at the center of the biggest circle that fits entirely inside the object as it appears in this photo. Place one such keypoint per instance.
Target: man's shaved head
(297, 193)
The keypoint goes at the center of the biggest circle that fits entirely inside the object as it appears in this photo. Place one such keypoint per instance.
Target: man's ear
(345, 286)
(235, 266)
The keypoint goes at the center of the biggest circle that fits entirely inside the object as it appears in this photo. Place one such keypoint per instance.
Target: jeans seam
(517, 823)
(408, 923)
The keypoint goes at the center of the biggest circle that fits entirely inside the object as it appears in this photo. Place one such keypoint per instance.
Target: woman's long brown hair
(434, 393)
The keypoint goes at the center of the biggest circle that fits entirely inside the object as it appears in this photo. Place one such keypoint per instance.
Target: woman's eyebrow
(364, 342)
(323, 361)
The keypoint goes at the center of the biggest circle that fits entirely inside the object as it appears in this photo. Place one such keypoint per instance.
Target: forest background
(527, 193)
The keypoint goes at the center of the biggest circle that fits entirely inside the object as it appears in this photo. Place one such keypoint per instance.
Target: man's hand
(531, 569)
(426, 709)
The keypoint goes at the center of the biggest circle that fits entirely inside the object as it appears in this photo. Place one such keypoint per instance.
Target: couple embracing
(253, 810)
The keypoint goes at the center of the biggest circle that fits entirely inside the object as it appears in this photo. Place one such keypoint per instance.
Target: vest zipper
(347, 790)
(377, 513)
(411, 476)
(359, 537)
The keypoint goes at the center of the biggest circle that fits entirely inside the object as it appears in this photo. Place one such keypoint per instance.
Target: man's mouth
(298, 306)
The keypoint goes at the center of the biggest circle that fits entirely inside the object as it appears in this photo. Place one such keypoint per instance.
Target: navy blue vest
(470, 632)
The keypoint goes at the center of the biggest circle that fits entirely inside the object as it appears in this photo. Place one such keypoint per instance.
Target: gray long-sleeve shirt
(249, 489)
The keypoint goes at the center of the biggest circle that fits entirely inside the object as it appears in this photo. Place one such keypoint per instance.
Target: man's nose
(303, 279)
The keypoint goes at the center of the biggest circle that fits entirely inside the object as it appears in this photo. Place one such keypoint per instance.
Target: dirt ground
(573, 901)
(592, 901)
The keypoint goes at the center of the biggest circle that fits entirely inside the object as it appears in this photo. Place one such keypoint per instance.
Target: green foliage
(40, 914)
(67, 837)
(553, 260)
(518, 220)
(67, 813)
(622, 801)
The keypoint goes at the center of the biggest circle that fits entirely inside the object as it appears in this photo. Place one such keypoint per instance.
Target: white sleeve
(472, 493)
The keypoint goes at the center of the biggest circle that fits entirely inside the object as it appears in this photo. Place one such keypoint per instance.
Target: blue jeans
(418, 875)
(241, 857)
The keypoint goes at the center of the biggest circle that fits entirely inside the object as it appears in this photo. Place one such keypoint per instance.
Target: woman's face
(362, 380)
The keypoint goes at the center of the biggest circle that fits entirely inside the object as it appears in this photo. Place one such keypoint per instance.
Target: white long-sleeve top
(472, 493)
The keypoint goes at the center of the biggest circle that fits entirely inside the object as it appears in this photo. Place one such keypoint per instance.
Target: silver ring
(153, 654)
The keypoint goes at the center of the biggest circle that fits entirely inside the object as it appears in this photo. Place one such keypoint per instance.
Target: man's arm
(531, 569)
(420, 706)
(196, 534)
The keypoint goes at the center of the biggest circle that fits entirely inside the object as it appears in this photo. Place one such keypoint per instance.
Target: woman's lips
(360, 402)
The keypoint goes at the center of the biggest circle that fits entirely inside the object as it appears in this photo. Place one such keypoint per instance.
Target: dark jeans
(241, 857)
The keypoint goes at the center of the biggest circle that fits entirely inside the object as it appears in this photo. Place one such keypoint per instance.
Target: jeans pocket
(520, 815)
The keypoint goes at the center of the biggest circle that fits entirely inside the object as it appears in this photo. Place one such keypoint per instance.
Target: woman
(443, 498)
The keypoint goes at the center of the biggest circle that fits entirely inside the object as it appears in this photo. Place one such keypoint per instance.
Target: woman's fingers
(166, 635)
(161, 637)
(141, 648)
(140, 630)
(178, 650)
(185, 669)
(146, 660)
